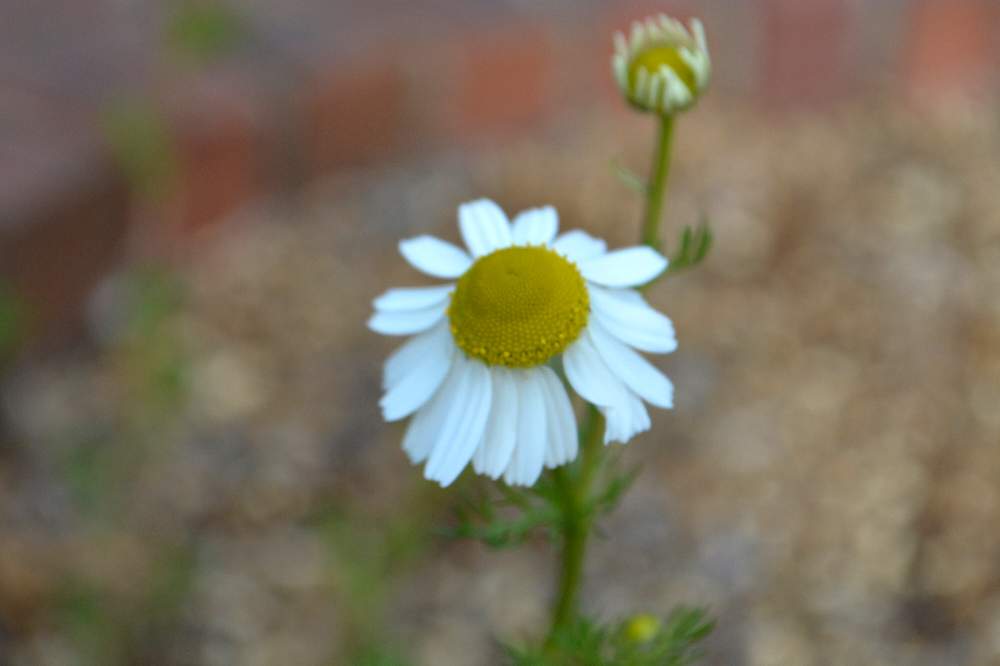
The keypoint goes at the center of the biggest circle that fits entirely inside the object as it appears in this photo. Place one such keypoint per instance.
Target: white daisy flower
(477, 376)
(661, 66)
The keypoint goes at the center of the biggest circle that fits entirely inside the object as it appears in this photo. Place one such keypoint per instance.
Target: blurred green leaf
(685, 628)
(154, 295)
(504, 532)
(155, 355)
(693, 246)
(141, 145)
(11, 321)
(506, 517)
(381, 655)
(366, 558)
(204, 30)
(607, 498)
(91, 473)
(171, 583)
(589, 642)
(82, 612)
(629, 178)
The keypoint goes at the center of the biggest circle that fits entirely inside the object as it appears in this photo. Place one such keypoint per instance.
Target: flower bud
(661, 66)
(642, 628)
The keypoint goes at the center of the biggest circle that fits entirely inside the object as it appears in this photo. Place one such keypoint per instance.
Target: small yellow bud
(642, 628)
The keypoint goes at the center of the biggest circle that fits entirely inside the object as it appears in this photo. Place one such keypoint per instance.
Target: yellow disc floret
(654, 58)
(518, 307)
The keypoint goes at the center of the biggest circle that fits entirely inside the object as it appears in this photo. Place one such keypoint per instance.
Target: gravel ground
(208, 480)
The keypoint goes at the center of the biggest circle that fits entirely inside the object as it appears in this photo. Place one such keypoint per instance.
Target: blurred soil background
(199, 201)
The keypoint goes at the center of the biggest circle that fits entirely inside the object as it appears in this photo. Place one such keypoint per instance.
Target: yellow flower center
(518, 307)
(655, 57)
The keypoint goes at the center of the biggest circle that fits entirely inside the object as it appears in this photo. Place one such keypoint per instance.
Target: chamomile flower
(478, 375)
(661, 66)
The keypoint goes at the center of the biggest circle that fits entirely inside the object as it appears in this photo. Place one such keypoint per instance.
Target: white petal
(616, 425)
(636, 372)
(426, 426)
(578, 246)
(484, 227)
(624, 268)
(529, 453)
(621, 44)
(590, 376)
(422, 377)
(536, 226)
(407, 322)
(401, 362)
(562, 434)
(418, 440)
(676, 92)
(638, 413)
(494, 452)
(463, 427)
(698, 30)
(412, 298)
(435, 256)
(642, 83)
(629, 318)
(626, 421)
(619, 67)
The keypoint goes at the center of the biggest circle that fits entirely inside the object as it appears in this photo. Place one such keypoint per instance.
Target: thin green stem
(573, 484)
(574, 489)
(657, 187)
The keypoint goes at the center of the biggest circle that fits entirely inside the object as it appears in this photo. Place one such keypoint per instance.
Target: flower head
(478, 373)
(661, 66)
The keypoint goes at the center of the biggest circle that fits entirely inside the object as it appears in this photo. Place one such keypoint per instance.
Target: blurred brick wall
(313, 87)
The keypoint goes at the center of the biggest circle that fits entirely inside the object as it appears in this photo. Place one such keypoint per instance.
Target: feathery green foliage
(674, 641)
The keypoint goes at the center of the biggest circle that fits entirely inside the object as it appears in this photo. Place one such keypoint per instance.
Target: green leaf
(704, 244)
(693, 247)
(11, 321)
(504, 517)
(141, 145)
(381, 655)
(608, 498)
(590, 642)
(91, 474)
(156, 356)
(629, 178)
(204, 30)
(84, 614)
(171, 582)
(686, 627)
(502, 532)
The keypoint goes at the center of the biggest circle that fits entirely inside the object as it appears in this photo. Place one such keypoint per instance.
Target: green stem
(574, 490)
(657, 187)
(574, 486)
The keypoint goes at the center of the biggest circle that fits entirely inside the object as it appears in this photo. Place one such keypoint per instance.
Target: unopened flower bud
(662, 66)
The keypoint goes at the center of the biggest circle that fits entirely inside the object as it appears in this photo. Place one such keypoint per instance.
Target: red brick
(805, 50)
(219, 151)
(60, 249)
(504, 78)
(951, 46)
(63, 212)
(355, 113)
